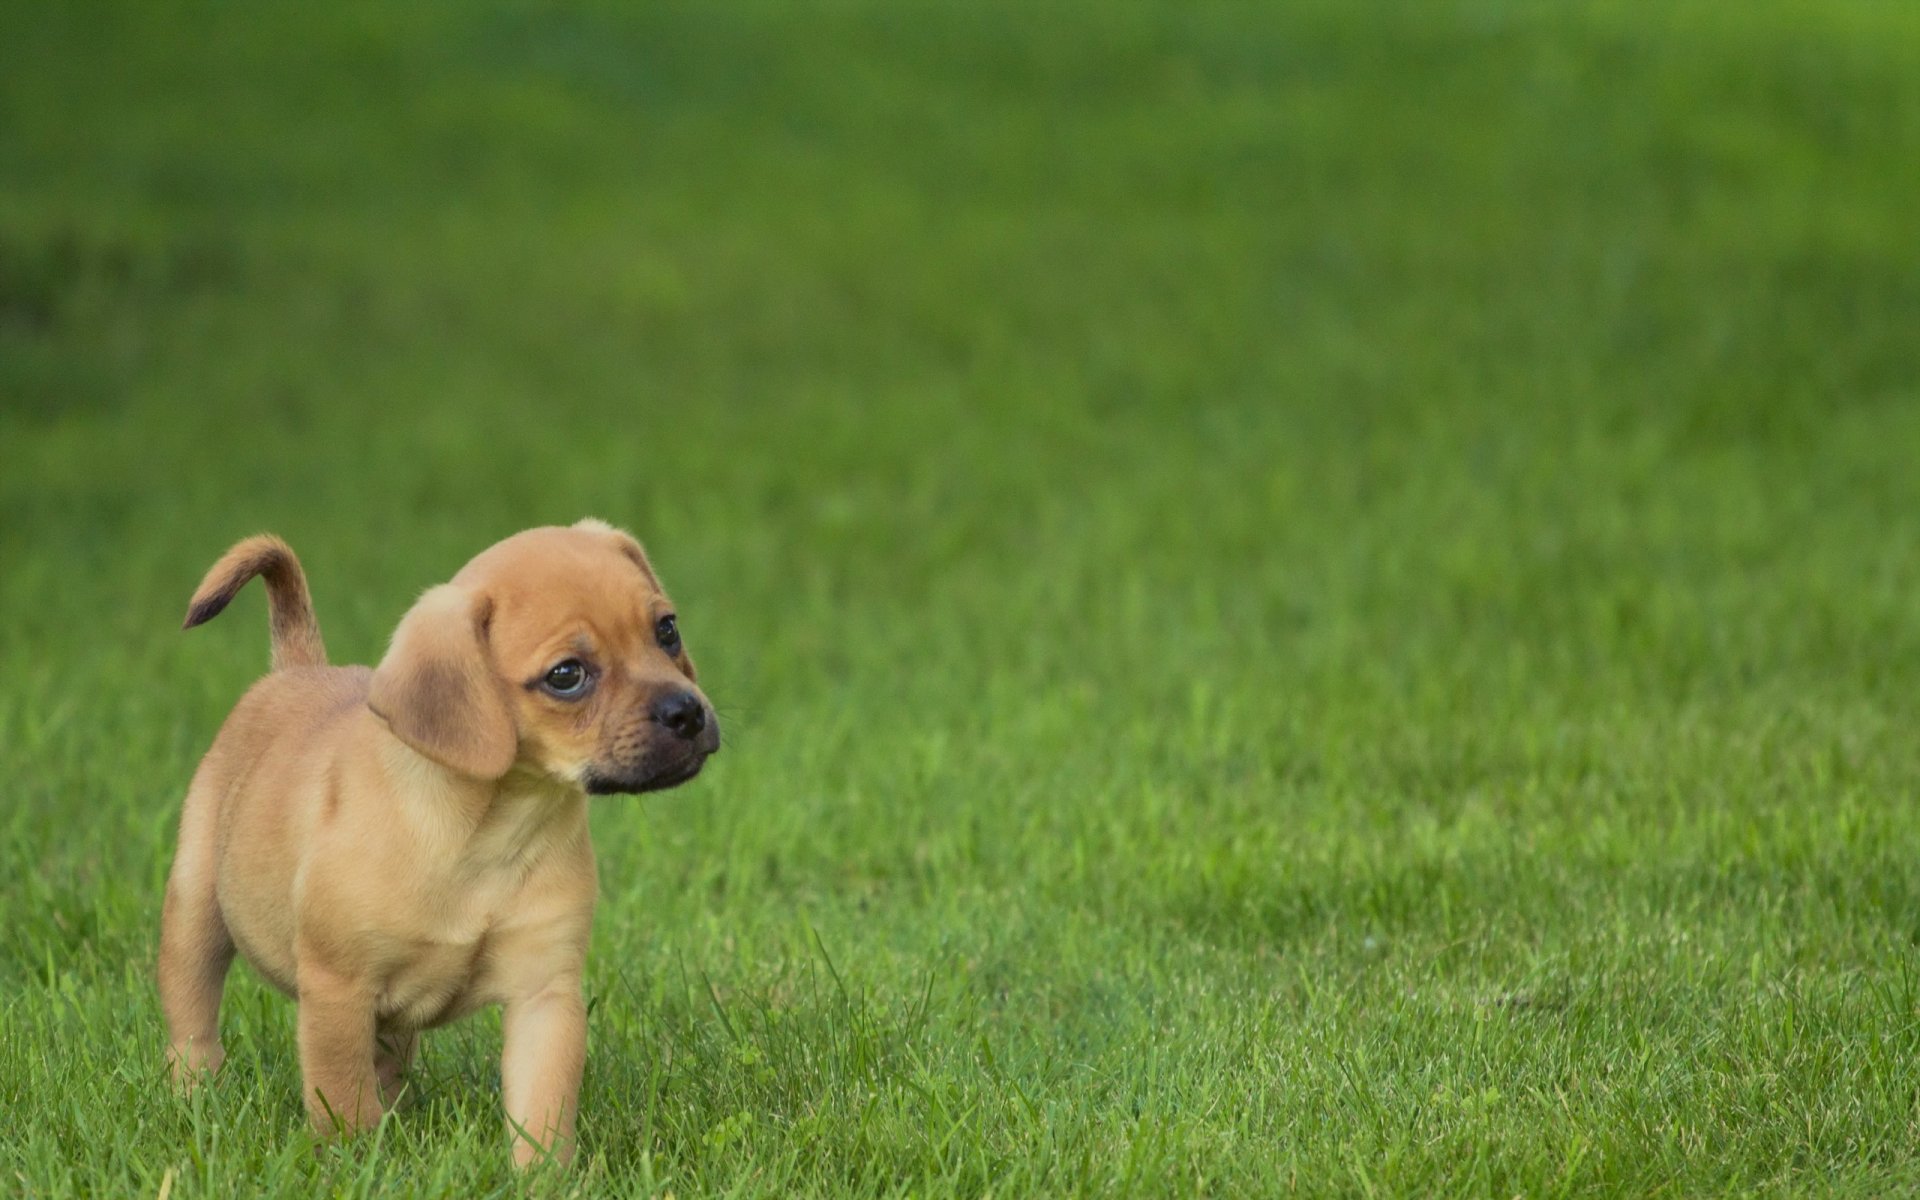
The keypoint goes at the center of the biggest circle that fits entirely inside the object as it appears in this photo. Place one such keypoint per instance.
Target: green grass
(1317, 597)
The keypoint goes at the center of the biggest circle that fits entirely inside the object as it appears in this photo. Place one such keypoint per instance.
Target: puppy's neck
(484, 824)
(527, 815)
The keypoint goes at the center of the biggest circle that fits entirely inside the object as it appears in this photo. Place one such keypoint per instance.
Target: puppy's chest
(487, 941)
(440, 983)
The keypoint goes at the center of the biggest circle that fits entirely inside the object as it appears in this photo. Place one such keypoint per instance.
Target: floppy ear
(438, 693)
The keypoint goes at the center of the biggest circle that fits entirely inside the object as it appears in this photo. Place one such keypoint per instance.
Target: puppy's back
(258, 794)
(284, 722)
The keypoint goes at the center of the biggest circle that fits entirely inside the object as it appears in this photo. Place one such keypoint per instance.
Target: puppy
(400, 846)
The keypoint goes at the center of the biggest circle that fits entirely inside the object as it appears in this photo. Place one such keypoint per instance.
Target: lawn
(1316, 598)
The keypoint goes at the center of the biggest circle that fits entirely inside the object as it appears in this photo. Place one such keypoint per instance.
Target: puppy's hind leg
(195, 952)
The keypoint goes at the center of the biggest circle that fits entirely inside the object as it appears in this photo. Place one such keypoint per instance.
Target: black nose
(681, 712)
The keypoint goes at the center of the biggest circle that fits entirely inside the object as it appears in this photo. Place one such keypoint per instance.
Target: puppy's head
(555, 651)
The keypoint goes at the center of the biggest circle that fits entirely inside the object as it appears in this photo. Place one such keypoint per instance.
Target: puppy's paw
(194, 1063)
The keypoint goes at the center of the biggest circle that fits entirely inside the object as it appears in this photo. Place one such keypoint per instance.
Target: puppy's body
(400, 847)
(459, 866)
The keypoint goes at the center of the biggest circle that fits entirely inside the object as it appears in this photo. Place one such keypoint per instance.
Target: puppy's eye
(667, 632)
(567, 680)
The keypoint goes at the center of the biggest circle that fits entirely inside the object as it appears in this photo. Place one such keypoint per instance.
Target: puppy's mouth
(669, 775)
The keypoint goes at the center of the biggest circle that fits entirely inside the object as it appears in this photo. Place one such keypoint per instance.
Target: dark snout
(684, 734)
(685, 715)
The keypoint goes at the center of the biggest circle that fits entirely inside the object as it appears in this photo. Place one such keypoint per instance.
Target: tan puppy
(400, 846)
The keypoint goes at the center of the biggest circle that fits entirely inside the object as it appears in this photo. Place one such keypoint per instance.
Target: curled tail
(295, 631)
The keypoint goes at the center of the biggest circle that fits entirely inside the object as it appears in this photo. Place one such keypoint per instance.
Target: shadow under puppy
(400, 846)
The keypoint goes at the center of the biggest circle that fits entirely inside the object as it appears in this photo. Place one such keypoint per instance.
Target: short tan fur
(398, 846)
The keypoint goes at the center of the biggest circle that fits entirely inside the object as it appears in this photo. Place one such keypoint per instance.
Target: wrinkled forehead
(556, 588)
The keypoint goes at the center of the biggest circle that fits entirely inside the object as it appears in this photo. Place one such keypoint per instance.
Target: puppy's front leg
(545, 1039)
(336, 1050)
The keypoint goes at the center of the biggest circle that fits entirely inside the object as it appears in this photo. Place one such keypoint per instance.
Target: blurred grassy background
(1312, 596)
